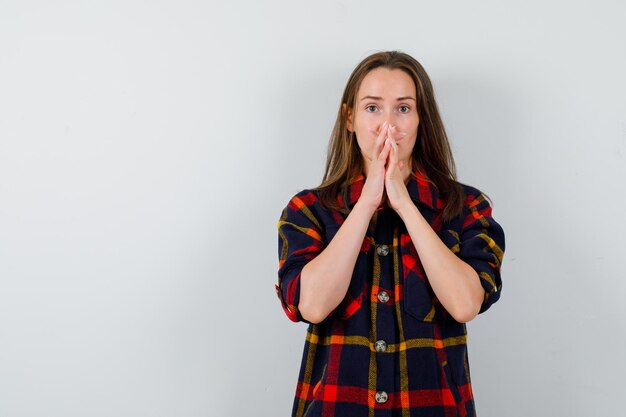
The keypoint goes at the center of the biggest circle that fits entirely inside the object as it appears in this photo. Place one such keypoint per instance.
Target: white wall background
(147, 149)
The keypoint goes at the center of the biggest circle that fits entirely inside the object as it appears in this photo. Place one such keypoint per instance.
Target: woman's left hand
(397, 193)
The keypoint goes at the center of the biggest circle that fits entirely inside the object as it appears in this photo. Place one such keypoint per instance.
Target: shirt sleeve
(482, 246)
(299, 241)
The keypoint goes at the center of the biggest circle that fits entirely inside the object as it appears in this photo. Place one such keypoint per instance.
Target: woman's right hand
(374, 187)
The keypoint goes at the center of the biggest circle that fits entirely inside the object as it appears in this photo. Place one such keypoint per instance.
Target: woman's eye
(371, 108)
(404, 109)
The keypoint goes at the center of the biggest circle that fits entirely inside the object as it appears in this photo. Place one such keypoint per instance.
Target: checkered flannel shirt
(389, 348)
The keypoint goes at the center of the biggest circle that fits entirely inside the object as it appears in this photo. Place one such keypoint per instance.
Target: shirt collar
(421, 189)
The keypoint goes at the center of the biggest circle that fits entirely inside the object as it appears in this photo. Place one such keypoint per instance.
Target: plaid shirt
(389, 348)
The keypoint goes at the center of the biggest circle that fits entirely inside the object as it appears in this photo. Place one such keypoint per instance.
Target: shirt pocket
(418, 296)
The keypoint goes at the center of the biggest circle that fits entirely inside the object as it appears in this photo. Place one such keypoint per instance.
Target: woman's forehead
(386, 84)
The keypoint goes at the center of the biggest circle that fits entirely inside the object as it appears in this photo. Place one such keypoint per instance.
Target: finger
(394, 153)
(380, 140)
(382, 157)
(393, 131)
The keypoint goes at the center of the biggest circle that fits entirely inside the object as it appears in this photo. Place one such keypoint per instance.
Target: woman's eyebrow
(380, 98)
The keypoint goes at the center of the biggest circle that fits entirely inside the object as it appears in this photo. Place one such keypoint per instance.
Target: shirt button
(383, 297)
(381, 397)
(382, 250)
(381, 346)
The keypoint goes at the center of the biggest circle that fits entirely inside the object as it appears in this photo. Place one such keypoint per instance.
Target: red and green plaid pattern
(389, 348)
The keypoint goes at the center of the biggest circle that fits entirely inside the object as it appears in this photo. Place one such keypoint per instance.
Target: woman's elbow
(464, 316)
(467, 308)
(311, 309)
(465, 312)
(312, 314)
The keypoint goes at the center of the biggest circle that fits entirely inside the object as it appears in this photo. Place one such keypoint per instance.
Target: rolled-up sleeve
(482, 246)
(299, 241)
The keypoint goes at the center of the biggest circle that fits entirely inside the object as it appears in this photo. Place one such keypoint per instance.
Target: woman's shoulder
(471, 193)
(306, 196)
(470, 190)
(308, 203)
(304, 199)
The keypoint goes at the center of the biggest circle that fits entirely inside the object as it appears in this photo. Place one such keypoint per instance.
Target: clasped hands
(386, 172)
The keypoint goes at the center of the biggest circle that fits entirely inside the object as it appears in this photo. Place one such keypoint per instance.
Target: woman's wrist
(407, 209)
(367, 208)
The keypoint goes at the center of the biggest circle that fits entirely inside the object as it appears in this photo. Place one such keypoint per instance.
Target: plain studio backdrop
(147, 149)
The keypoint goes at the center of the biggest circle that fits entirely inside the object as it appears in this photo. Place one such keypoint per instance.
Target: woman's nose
(390, 123)
(390, 119)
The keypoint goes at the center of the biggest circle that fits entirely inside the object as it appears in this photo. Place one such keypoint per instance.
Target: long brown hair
(431, 151)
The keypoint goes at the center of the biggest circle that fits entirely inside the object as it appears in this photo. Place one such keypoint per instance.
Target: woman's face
(385, 95)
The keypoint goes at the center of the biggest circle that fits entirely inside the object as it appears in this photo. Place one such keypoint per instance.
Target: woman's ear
(347, 113)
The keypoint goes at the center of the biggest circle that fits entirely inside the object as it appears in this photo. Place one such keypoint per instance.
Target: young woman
(388, 258)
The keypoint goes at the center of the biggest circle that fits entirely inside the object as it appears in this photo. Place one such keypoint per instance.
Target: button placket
(385, 269)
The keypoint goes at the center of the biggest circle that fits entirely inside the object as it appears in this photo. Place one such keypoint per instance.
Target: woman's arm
(455, 283)
(325, 280)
